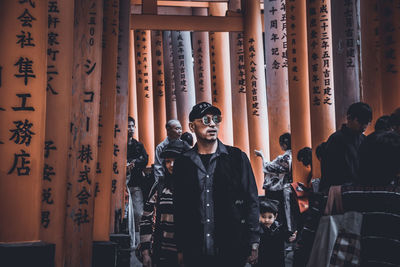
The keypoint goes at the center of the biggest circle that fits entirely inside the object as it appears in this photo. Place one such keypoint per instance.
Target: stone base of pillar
(27, 254)
(123, 249)
(104, 254)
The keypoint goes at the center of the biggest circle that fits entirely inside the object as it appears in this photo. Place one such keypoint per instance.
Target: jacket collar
(193, 154)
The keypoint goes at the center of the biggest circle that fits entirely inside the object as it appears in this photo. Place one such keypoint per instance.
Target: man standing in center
(216, 199)
(174, 132)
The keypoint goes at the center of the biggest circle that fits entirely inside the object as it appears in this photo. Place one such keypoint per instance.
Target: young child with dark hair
(272, 236)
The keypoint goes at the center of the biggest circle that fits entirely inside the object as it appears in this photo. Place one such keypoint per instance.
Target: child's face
(267, 219)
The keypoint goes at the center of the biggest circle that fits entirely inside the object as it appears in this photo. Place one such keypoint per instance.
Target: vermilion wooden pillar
(132, 83)
(144, 85)
(201, 55)
(346, 56)
(322, 97)
(371, 42)
(169, 76)
(22, 118)
(300, 125)
(102, 205)
(158, 86)
(82, 163)
(238, 85)
(118, 185)
(255, 87)
(277, 73)
(59, 82)
(220, 75)
(184, 77)
(389, 12)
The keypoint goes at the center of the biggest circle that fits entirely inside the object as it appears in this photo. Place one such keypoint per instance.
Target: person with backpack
(215, 197)
(157, 239)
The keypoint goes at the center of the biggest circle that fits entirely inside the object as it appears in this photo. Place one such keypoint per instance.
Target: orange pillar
(22, 118)
(102, 205)
(300, 125)
(238, 87)
(184, 77)
(277, 73)
(144, 85)
(371, 75)
(322, 97)
(201, 55)
(169, 77)
(221, 74)
(390, 54)
(118, 185)
(132, 83)
(255, 87)
(346, 56)
(59, 82)
(82, 164)
(160, 117)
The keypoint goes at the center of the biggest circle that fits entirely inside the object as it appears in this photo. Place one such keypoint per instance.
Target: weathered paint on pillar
(238, 86)
(276, 73)
(58, 98)
(169, 77)
(144, 90)
(82, 164)
(371, 75)
(346, 56)
(118, 184)
(184, 77)
(132, 83)
(102, 203)
(300, 125)
(257, 112)
(201, 55)
(322, 97)
(160, 117)
(22, 117)
(221, 74)
(390, 54)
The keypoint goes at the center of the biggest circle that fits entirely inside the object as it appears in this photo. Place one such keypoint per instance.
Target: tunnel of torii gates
(72, 71)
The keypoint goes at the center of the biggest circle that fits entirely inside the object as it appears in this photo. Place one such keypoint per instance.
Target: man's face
(204, 132)
(169, 164)
(267, 219)
(356, 126)
(131, 129)
(175, 130)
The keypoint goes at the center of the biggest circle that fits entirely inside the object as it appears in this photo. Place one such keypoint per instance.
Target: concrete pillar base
(104, 254)
(27, 254)
(123, 249)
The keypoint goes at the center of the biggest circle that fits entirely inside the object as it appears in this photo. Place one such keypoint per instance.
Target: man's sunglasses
(207, 119)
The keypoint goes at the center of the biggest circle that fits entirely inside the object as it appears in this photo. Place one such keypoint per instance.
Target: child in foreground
(272, 236)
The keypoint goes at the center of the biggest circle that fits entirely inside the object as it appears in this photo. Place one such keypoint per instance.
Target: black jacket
(340, 163)
(236, 210)
(136, 153)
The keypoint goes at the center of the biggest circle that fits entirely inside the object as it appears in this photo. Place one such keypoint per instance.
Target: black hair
(285, 139)
(383, 124)
(305, 156)
(188, 138)
(321, 150)
(380, 160)
(131, 119)
(395, 118)
(269, 206)
(360, 111)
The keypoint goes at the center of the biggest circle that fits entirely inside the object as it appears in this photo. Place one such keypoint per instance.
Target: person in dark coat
(341, 161)
(272, 237)
(216, 201)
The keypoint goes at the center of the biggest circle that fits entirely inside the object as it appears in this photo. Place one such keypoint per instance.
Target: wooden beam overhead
(187, 23)
(200, 3)
(149, 7)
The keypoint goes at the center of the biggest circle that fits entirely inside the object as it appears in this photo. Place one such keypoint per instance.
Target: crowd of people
(202, 206)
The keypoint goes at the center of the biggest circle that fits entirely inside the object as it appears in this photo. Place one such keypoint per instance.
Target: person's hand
(293, 237)
(146, 258)
(253, 258)
(258, 153)
(130, 166)
(180, 259)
